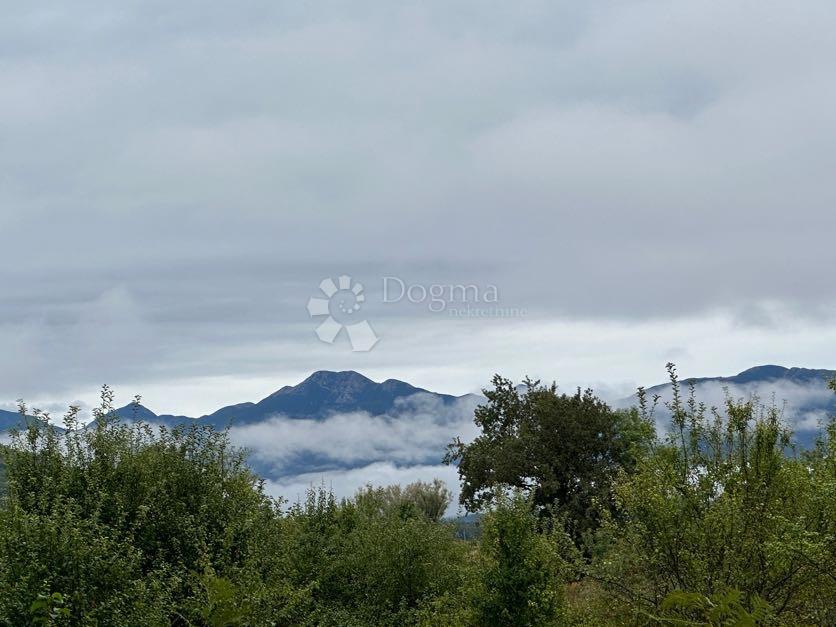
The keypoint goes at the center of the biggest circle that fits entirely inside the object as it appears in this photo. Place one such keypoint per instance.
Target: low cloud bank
(417, 432)
(346, 451)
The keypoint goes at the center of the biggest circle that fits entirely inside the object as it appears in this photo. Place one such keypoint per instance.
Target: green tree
(429, 499)
(563, 450)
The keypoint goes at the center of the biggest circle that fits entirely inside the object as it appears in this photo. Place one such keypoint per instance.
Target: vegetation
(565, 451)
(724, 515)
(587, 517)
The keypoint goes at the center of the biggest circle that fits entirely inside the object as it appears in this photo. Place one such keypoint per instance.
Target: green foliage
(97, 575)
(3, 486)
(222, 604)
(720, 609)
(563, 450)
(372, 560)
(721, 507)
(428, 499)
(119, 521)
(48, 609)
(522, 567)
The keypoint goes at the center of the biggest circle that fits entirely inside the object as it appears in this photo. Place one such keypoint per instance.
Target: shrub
(522, 568)
(124, 522)
(720, 508)
(373, 560)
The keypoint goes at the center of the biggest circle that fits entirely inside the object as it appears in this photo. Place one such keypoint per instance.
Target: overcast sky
(640, 181)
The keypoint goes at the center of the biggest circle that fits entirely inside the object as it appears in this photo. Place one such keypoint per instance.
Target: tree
(563, 450)
(429, 499)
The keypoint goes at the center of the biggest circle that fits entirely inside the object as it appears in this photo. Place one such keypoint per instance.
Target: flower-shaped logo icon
(342, 305)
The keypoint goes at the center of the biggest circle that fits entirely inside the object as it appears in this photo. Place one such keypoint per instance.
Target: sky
(619, 184)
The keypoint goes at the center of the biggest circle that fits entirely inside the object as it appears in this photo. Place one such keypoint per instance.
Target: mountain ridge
(320, 395)
(768, 373)
(325, 393)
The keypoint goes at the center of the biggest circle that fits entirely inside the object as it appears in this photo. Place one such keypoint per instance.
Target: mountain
(322, 394)
(347, 430)
(9, 420)
(326, 393)
(802, 393)
(760, 375)
(12, 420)
(332, 421)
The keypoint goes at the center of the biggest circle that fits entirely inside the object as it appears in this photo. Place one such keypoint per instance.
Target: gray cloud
(177, 179)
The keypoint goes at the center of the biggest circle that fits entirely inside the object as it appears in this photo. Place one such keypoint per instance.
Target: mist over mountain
(346, 429)
(760, 375)
(801, 394)
(339, 426)
(321, 395)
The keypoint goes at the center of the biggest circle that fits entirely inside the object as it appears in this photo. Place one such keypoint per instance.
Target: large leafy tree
(564, 450)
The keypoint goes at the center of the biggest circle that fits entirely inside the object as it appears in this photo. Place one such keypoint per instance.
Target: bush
(522, 567)
(372, 560)
(720, 509)
(428, 499)
(125, 524)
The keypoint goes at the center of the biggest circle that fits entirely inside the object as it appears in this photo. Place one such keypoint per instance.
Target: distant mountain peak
(330, 378)
(771, 372)
(759, 374)
(136, 411)
(768, 371)
(323, 393)
(763, 376)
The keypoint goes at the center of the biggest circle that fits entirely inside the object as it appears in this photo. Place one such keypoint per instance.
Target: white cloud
(418, 433)
(359, 449)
